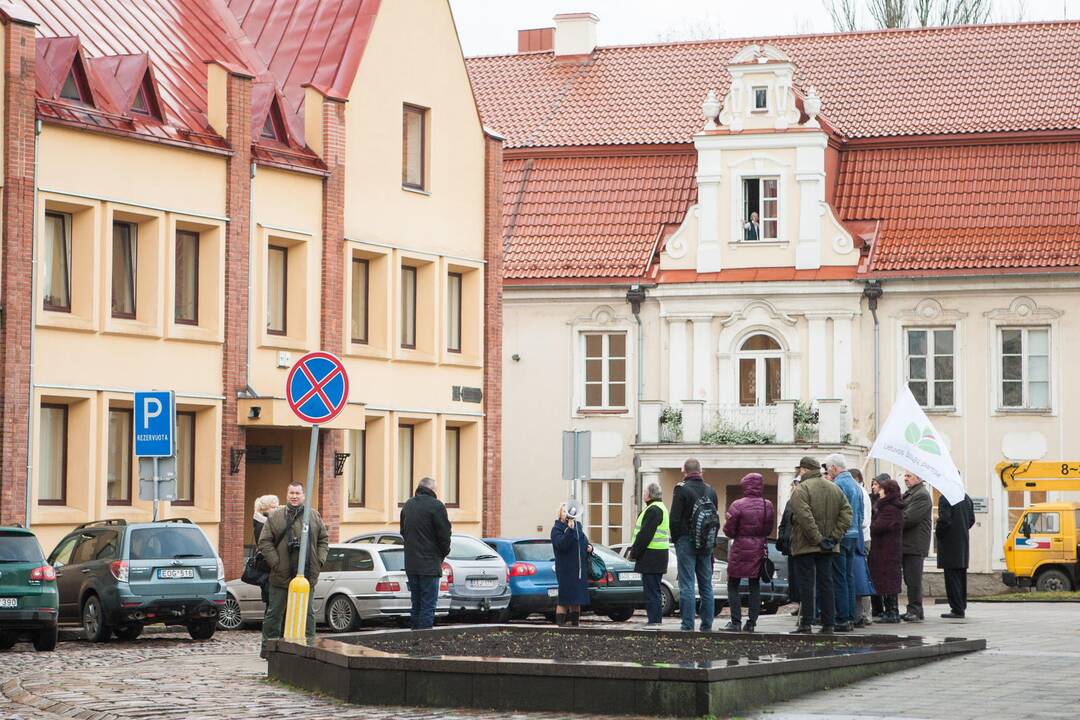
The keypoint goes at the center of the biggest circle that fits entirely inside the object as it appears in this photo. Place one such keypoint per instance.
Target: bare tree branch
(889, 13)
(844, 15)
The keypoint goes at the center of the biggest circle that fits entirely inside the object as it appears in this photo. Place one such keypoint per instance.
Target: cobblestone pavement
(1029, 671)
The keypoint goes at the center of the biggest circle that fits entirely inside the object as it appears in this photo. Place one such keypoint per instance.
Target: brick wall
(333, 301)
(234, 515)
(493, 285)
(15, 281)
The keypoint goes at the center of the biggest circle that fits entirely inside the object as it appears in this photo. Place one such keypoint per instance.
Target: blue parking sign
(155, 423)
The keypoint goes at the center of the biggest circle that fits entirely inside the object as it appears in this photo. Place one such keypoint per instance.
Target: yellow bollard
(296, 609)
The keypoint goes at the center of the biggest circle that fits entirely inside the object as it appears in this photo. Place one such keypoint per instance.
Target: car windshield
(167, 543)
(467, 548)
(17, 548)
(534, 551)
(393, 559)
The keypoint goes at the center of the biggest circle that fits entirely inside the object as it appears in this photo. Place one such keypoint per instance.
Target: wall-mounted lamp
(254, 412)
(236, 456)
(339, 463)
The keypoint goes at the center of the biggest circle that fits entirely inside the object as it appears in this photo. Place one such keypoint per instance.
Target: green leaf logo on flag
(923, 440)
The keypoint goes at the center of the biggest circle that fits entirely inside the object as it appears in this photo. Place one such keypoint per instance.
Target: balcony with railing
(786, 422)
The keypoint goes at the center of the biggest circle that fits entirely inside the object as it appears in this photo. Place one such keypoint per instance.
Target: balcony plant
(724, 434)
(671, 424)
(806, 422)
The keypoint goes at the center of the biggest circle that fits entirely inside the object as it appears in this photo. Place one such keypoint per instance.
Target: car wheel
(1053, 581)
(621, 615)
(667, 601)
(95, 626)
(230, 618)
(202, 629)
(7, 641)
(341, 614)
(128, 631)
(45, 640)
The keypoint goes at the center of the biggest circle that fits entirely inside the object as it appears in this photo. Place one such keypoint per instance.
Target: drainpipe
(33, 327)
(248, 389)
(635, 295)
(872, 292)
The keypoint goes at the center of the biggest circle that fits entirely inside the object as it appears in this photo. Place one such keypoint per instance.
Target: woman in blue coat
(572, 550)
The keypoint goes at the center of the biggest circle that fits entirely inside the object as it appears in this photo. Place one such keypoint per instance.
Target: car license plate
(482, 583)
(9, 602)
(628, 576)
(553, 592)
(176, 573)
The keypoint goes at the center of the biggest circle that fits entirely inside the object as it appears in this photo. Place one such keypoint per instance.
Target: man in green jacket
(820, 515)
(279, 544)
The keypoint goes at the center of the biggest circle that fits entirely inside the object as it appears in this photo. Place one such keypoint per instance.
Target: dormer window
(273, 127)
(761, 208)
(761, 99)
(74, 88)
(145, 101)
(138, 105)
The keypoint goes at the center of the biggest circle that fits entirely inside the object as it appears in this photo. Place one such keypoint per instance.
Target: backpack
(704, 524)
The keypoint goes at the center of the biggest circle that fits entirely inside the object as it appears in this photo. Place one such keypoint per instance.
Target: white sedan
(358, 583)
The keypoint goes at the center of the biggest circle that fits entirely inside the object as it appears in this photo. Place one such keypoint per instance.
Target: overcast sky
(489, 27)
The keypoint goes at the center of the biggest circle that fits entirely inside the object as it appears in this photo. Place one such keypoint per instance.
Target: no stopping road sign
(317, 387)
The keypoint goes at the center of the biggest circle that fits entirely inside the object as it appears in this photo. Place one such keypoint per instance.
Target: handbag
(597, 567)
(255, 570)
(768, 567)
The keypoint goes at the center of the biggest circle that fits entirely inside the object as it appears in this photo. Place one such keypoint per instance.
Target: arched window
(760, 358)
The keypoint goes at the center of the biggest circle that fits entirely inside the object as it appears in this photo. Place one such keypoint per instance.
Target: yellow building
(214, 195)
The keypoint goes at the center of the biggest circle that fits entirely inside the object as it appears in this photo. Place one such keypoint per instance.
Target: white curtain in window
(187, 276)
(405, 462)
(57, 260)
(452, 482)
(185, 457)
(123, 268)
(51, 452)
(119, 471)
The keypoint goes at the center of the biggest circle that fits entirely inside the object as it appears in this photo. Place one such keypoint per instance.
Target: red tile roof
(968, 79)
(591, 217)
(966, 207)
(284, 44)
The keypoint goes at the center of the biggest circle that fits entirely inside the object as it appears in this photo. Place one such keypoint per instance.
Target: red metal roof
(968, 79)
(591, 217)
(966, 207)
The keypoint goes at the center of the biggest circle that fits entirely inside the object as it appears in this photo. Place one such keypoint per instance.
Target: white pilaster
(785, 421)
(678, 382)
(785, 481)
(710, 179)
(815, 356)
(702, 386)
(810, 175)
(693, 417)
(842, 361)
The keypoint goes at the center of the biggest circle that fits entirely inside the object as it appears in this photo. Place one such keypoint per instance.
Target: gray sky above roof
(489, 27)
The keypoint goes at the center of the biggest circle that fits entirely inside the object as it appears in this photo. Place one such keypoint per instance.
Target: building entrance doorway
(274, 457)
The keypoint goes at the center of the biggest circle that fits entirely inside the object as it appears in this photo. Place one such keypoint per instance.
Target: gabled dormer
(145, 101)
(761, 95)
(128, 85)
(62, 71)
(268, 115)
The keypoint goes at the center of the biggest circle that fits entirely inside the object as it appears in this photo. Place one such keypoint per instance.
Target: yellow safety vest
(662, 538)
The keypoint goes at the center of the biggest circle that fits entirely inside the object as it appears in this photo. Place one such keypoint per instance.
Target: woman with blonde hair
(265, 505)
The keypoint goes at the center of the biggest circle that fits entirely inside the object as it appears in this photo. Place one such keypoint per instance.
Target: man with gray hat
(820, 517)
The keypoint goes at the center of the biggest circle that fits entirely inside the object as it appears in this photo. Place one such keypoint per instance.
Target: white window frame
(753, 99)
(604, 525)
(759, 357)
(999, 363)
(930, 378)
(605, 380)
(742, 217)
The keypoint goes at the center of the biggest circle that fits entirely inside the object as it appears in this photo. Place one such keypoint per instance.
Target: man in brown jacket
(279, 544)
(918, 507)
(820, 515)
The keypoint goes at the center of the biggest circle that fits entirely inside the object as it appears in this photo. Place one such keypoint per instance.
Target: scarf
(259, 517)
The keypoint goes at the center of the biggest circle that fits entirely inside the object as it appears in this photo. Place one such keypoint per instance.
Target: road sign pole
(296, 609)
(157, 481)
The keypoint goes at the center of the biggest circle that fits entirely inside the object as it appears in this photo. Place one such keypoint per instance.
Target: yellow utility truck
(1042, 549)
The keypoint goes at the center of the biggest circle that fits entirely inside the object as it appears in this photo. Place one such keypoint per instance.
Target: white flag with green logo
(908, 439)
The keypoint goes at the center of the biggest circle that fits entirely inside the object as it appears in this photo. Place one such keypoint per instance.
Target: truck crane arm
(1039, 476)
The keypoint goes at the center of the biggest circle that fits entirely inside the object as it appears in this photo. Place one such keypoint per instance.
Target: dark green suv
(115, 578)
(28, 597)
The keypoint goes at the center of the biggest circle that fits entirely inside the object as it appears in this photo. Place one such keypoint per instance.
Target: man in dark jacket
(425, 528)
(279, 543)
(820, 517)
(918, 506)
(651, 549)
(954, 523)
(693, 565)
(783, 533)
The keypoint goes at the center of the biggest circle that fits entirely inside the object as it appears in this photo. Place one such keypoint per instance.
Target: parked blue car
(533, 586)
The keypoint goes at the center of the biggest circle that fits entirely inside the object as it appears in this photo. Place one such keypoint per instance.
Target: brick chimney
(575, 34)
(536, 40)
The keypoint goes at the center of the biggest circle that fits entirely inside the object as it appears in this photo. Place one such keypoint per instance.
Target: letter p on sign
(151, 410)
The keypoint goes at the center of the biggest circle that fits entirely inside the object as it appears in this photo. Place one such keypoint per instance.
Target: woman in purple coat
(748, 524)
(887, 548)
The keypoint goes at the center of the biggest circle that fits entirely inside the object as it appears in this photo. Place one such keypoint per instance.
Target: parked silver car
(477, 576)
(669, 583)
(358, 583)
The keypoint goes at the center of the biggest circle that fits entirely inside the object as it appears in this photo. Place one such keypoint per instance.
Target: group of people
(424, 526)
(849, 549)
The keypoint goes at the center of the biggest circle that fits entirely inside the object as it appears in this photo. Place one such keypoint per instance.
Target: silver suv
(115, 578)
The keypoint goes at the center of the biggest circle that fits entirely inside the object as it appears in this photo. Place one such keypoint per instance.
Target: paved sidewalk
(1030, 670)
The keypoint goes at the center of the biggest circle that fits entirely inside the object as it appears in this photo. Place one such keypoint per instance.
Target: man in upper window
(752, 229)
